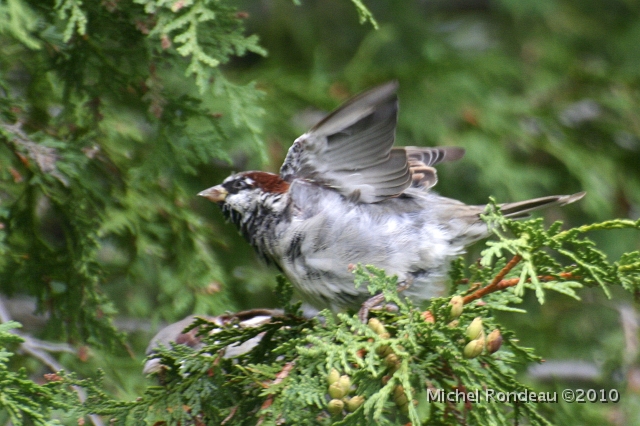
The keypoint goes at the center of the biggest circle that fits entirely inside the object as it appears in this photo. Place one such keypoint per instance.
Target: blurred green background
(543, 94)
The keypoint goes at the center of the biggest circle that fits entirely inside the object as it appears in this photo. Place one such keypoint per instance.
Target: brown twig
(230, 416)
(497, 283)
(279, 378)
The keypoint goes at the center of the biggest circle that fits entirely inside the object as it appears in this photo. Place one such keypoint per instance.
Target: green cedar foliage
(285, 379)
(22, 400)
(104, 119)
(114, 114)
(108, 111)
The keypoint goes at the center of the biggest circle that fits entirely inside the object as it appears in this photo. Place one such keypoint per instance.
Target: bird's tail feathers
(521, 209)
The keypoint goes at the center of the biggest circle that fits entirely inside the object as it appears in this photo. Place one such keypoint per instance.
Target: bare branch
(497, 283)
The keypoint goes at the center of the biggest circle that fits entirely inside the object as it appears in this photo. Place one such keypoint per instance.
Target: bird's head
(246, 193)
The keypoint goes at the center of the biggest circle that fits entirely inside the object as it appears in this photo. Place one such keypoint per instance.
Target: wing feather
(422, 160)
(351, 151)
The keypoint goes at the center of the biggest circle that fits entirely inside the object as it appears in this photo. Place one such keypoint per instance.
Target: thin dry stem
(497, 283)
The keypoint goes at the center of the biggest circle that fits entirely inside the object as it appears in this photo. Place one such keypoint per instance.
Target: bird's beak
(217, 194)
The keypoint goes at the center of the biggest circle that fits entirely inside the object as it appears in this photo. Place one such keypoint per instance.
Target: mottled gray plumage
(345, 196)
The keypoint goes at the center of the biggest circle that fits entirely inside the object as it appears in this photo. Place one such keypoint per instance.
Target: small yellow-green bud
(399, 397)
(335, 407)
(336, 391)
(457, 306)
(345, 383)
(377, 326)
(474, 329)
(404, 409)
(354, 403)
(397, 391)
(454, 323)
(473, 348)
(494, 341)
(333, 376)
(383, 351)
(392, 362)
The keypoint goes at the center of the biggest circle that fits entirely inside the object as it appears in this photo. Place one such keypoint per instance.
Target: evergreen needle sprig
(395, 368)
(339, 371)
(531, 246)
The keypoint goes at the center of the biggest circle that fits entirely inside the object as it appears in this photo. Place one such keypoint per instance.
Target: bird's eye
(236, 186)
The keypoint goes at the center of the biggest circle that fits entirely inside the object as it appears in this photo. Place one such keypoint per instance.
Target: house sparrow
(345, 196)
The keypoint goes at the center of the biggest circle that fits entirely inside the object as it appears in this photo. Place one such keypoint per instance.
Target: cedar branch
(499, 283)
(496, 284)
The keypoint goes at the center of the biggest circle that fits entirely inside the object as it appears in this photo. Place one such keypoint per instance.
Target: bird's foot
(371, 303)
(377, 302)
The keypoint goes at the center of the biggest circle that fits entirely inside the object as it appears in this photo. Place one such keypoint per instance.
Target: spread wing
(421, 162)
(350, 149)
